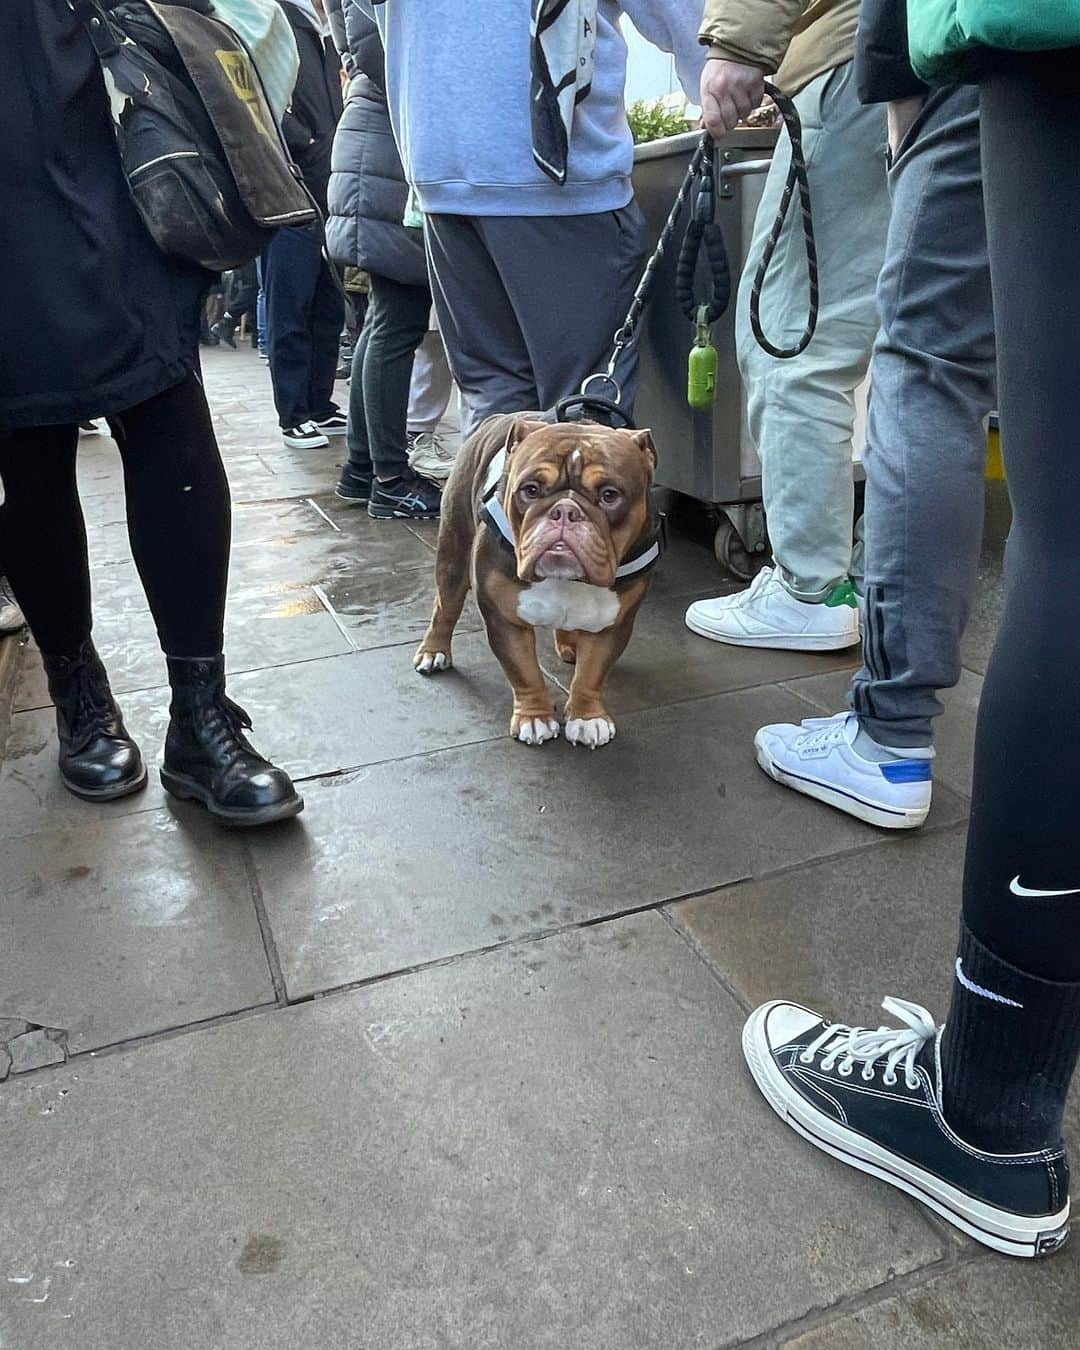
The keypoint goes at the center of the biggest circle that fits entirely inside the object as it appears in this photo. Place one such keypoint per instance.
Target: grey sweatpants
(932, 387)
(529, 305)
(801, 412)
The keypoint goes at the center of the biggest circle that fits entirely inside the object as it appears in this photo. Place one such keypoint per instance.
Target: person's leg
(292, 270)
(358, 470)
(1007, 1060)
(570, 280)
(44, 548)
(933, 385)
(176, 490)
(327, 319)
(802, 411)
(260, 310)
(431, 387)
(398, 322)
(44, 536)
(179, 512)
(484, 342)
(967, 1117)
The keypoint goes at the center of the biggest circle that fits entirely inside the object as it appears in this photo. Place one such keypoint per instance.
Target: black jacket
(368, 192)
(312, 116)
(97, 319)
(882, 68)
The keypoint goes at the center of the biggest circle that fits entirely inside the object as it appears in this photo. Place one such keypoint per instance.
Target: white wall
(649, 73)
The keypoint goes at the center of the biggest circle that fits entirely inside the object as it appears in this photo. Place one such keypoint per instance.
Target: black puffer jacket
(882, 69)
(368, 192)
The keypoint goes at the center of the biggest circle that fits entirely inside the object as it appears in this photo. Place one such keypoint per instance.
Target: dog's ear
(645, 444)
(524, 426)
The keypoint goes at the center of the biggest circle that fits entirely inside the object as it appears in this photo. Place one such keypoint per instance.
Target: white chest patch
(573, 605)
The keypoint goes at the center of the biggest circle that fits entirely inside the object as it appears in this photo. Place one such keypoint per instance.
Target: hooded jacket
(368, 192)
(312, 116)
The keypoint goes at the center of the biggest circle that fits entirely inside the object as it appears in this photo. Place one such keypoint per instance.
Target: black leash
(703, 232)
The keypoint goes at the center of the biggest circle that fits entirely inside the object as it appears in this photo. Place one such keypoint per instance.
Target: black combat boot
(98, 759)
(208, 758)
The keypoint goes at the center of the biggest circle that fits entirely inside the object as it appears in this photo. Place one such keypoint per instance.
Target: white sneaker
(11, 616)
(818, 758)
(307, 436)
(430, 455)
(766, 614)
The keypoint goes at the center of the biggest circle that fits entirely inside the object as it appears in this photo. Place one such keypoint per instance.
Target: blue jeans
(304, 314)
(933, 385)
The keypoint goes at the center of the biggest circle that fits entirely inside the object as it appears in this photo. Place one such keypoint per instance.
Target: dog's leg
(588, 721)
(566, 646)
(453, 558)
(534, 720)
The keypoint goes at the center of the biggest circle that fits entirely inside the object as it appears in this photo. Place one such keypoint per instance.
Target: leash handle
(796, 177)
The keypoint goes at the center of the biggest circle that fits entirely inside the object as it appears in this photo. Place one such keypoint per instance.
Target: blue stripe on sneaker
(907, 771)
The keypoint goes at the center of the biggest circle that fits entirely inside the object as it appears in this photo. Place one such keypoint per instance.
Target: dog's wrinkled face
(577, 497)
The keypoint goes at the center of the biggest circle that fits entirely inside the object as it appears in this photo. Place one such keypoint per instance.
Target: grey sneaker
(430, 455)
(11, 616)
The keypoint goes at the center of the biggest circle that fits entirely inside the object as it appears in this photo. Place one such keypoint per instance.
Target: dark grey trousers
(932, 387)
(529, 305)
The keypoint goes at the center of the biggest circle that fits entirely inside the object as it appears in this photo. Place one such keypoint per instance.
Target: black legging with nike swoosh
(1014, 1025)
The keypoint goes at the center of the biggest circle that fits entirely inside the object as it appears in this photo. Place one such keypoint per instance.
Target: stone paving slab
(315, 717)
(543, 1147)
(409, 862)
(666, 663)
(954, 731)
(993, 1304)
(840, 934)
(117, 930)
(265, 625)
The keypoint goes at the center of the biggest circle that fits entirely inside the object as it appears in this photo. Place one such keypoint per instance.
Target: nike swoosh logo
(1025, 893)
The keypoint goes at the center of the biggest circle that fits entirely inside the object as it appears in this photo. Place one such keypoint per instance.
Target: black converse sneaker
(409, 497)
(873, 1100)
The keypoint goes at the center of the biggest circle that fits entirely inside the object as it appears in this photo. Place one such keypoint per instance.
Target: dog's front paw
(592, 732)
(534, 730)
(427, 662)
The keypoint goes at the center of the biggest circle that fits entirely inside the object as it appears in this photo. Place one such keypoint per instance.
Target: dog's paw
(592, 732)
(431, 663)
(534, 730)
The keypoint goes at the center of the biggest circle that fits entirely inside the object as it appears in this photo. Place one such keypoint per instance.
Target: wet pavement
(453, 1060)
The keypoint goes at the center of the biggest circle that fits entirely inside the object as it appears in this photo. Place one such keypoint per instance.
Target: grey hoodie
(458, 85)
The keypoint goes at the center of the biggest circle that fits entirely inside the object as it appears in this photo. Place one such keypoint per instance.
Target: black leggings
(1025, 818)
(178, 515)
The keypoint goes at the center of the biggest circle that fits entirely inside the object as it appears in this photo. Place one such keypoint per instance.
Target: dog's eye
(610, 496)
(530, 490)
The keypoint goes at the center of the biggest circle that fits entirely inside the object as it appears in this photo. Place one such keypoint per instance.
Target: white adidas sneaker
(766, 614)
(818, 758)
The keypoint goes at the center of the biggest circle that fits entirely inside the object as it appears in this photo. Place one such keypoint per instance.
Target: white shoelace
(822, 733)
(896, 1045)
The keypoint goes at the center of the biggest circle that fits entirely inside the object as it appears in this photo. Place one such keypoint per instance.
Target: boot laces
(92, 710)
(896, 1046)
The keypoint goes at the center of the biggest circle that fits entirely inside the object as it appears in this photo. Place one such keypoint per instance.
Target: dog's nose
(566, 513)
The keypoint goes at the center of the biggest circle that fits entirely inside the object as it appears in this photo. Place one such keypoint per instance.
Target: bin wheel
(732, 553)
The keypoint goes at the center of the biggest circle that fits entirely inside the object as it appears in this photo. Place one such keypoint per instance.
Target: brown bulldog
(552, 525)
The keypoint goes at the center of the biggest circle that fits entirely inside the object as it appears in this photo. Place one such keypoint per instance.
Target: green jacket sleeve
(756, 32)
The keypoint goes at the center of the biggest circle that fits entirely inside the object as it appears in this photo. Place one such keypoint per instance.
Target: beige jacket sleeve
(756, 32)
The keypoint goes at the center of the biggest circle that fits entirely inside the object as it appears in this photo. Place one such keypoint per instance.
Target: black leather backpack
(202, 153)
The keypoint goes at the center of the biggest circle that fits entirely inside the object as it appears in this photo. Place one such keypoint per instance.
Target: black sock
(1008, 1052)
